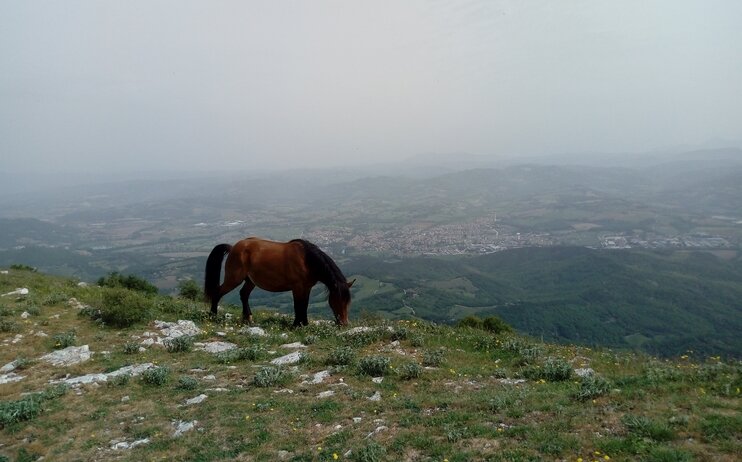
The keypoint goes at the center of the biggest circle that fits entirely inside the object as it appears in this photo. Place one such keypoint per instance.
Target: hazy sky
(219, 84)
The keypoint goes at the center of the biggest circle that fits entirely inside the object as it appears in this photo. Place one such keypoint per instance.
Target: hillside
(380, 390)
(663, 302)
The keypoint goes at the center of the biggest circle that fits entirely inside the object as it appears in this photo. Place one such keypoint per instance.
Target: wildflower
(606, 457)
(319, 448)
(579, 459)
(335, 456)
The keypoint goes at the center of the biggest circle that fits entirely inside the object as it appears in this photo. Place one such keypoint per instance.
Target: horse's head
(340, 302)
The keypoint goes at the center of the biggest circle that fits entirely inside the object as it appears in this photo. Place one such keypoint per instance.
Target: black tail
(214, 271)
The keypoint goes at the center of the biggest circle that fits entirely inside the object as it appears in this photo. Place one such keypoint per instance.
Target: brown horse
(276, 267)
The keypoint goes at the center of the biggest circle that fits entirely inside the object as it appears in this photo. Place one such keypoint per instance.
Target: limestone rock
(291, 358)
(68, 356)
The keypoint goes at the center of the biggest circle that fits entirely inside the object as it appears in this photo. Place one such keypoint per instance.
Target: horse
(294, 266)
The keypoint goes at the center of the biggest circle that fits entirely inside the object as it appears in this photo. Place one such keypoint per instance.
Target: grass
(445, 393)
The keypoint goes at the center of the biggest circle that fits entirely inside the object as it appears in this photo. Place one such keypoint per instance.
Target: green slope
(663, 302)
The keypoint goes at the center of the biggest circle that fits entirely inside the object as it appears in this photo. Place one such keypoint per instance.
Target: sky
(216, 85)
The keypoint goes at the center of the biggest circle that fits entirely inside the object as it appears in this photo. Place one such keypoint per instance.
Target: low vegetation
(404, 390)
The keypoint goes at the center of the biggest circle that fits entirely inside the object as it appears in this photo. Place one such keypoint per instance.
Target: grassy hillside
(446, 393)
(661, 302)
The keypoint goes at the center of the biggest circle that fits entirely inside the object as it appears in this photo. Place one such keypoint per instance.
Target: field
(392, 390)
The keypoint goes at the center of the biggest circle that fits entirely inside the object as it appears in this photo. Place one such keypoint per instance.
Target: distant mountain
(661, 302)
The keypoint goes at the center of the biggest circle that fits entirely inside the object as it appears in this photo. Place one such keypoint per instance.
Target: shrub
(470, 321)
(496, 325)
(186, 383)
(647, 428)
(190, 290)
(311, 339)
(251, 353)
(184, 343)
(54, 299)
(556, 370)
(416, 340)
(29, 406)
(373, 365)
(592, 386)
(341, 356)
(124, 308)
(371, 452)
(409, 371)
(270, 376)
(6, 325)
(433, 358)
(132, 282)
(400, 333)
(64, 340)
(119, 380)
(21, 267)
(131, 348)
(33, 310)
(156, 376)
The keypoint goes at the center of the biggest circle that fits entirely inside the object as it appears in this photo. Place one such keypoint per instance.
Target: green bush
(557, 370)
(433, 358)
(156, 376)
(591, 387)
(496, 325)
(371, 452)
(270, 376)
(341, 356)
(29, 406)
(409, 371)
(119, 380)
(124, 308)
(374, 365)
(471, 321)
(250, 353)
(64, 340)
(646, 428)
(184, 343)
(186, 383)
(21, 267)
(6, 325)
(190, 290)
(131, 348)
(132, 282)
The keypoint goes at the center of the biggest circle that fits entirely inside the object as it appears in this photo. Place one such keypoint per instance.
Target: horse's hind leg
(244, 296)
(229, 284)
(301, 303)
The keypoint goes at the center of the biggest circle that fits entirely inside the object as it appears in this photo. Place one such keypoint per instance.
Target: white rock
(4, 272)
(142, 349)
(221, 334)
(357, 419)
(377, 379)
(118, 445)
(284, 335)
(68, 356)
(356, 330)
(183, 427)
(8, 367)
(291, 358)
(25, 315)
(284, 390)
(41, 334)
(216, 347)
(19, 292)
(10, 377)
(325, 394)
(294, 345)
(125, 399)
(378, 430)
(210, 377)
(93, 378)
(218, 389)
(318, 377)
(197, 400)
(586, 372)
(512, 381)
(82, 284)
(257, 331)
(375, 397)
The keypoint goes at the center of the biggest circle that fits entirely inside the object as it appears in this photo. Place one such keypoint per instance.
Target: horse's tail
(214, 271)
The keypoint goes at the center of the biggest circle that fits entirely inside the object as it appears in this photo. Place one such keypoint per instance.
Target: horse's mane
(325, 270)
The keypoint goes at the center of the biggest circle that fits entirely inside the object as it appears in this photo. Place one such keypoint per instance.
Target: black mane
(325, 270)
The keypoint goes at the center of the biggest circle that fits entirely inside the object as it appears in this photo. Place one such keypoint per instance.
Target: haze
(183, 85)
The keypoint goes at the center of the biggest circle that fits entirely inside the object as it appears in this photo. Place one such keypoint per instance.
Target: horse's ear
(350, 284)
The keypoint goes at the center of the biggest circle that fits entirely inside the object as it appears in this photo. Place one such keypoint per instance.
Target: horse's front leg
(301, 303)
(244, 296)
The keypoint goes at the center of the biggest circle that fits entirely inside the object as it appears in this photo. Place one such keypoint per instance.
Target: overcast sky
(237, 84)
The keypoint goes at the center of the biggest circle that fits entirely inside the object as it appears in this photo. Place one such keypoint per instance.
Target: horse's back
(273, 266)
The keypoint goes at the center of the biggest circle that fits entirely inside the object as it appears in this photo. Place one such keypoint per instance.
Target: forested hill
(661, 302)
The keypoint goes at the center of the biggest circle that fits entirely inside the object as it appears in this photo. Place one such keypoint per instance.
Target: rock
(10, 377)
(210, 377)
(177, 329)
(291, 358)
(25, 315)
(41, 334)
(221, 334)
(183, 427)
(377, 379)
(74, 303)
(257, 331)
(197, 400)
(357, 419)
(218, 389)
(142, 349)
(325, 394)
(585, 372)
(118, 445)
(4, 272)
(68, 356)
(378, 430)
(215, 347)
(356, 330)
(512, 381)
(20, 292)
(93, 378)
(10, 367)
(125, 399)
(294, 345)
(375, 397)
(284, 390)
(82, 284)
(318, 377)
(283, 455)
